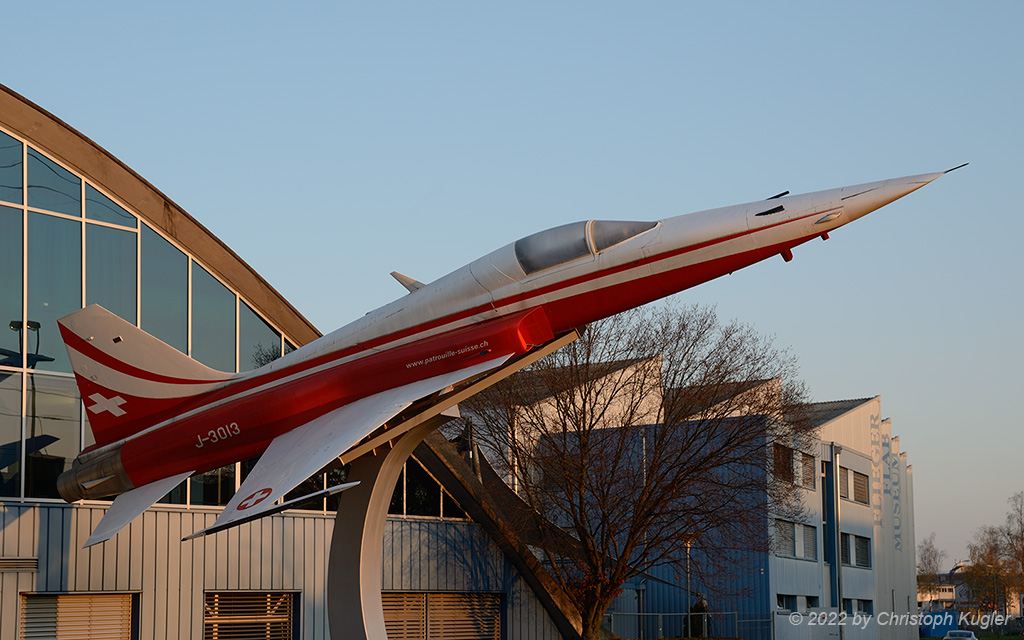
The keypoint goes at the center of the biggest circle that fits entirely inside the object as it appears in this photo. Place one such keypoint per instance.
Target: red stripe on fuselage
(243, 426)
(90, 350)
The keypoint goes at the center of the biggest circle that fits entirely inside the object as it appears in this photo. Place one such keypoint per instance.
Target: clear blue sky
(331, 143)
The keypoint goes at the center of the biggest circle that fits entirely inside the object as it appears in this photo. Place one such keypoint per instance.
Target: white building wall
(889, 584)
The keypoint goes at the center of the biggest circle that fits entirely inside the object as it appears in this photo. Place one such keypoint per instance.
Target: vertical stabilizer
(128, 379)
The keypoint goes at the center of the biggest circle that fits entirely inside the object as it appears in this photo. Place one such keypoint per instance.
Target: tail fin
(128, 379)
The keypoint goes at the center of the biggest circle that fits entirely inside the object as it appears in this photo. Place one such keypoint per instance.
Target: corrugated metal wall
(431, 555)
(287, 552)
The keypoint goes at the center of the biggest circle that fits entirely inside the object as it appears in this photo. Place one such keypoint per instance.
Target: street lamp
(33, 358)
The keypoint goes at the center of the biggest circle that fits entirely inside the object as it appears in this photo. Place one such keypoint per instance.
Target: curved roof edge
(52, 135)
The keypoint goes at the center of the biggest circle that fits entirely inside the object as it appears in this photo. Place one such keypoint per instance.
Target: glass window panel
(246, 467)
(397, 506)
(335, 477)
(164, 290)
(10, 169)
(100, 207)
(52, 432)
(258, 342)
(552, 247)
(309, 485)
(422, 493)
(608, 233)
(10, 286)
(52, 187)
(214, 487)
(288, 347)
(450, 508)
(10, 434)
(110, 270)
(89, 438)
(177, 495)
(213, 321)
(54, 287)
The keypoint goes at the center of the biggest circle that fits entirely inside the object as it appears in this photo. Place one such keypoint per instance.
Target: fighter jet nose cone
(863, 199)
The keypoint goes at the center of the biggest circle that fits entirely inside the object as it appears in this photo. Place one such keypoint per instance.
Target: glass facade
(65, 244)
(213, 321)
(418, 493)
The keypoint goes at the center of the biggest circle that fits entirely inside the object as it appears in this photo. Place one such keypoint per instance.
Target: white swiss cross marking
(113, 405)
(255, 499)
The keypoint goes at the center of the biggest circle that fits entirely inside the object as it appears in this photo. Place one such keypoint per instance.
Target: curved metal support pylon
(354, 606)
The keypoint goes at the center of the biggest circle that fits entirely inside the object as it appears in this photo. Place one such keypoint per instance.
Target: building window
(785, 538)
(417, 493)
(52, 432)
(249, 614)
(54, 286)
(813, 602)
(859, 554)
(213, 321)
(164, 290)
(130, 269)
(863, 549)
(810, 542)
(52, 187)
(106, 616)
(413, 616)
(860, 488)
(10, 285)
(865, 607)
(783, 463)
(785, 602)
(10, 169)
(807, 471)
(860, 485)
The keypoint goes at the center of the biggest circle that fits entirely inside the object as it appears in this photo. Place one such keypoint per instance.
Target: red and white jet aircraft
(159, 417)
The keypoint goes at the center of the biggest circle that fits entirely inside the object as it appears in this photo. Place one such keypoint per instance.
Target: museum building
(78, 227)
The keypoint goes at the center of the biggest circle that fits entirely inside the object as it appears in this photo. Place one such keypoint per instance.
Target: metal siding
(233, 561)
(175, 579)
(285, 552)
(242, 542)
(185, 560)
(434, 555)
(277, 561)
(319, 573)
(134, 534)
(305, 579)
(8, 605)
(110, 551)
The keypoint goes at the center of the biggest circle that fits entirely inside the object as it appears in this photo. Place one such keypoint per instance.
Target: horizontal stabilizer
(130, 505)
(294, 503)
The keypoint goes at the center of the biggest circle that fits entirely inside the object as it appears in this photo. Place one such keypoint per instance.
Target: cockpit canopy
(575, 240)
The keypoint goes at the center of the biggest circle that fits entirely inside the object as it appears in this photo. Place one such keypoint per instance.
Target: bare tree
(650, 441)
(1013, 542)
(986, 574)
(929, 564)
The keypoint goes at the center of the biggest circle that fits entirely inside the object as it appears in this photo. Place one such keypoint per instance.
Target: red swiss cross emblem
(255, 499)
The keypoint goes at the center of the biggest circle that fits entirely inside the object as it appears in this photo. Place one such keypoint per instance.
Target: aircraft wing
(295, 456)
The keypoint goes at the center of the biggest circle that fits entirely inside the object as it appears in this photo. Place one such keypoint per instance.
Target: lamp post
(34, 358)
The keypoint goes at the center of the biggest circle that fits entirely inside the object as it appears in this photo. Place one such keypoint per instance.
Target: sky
(331, 143)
